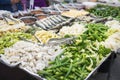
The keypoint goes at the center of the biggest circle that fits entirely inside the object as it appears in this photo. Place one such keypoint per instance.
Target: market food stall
(73, 41)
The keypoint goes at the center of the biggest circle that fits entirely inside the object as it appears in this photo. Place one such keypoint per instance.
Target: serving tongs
(102, 20)
(64, 6)
(56, 1)
(58, 41)
(73, 5)
(56, 8)
(21, 13)
(9, 19)
(24, 39)
(21, 38)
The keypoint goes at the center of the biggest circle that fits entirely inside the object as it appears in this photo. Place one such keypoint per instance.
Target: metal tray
(93, 72)
(31, 20)
(37, 77)
(53, 22)
(14, 72)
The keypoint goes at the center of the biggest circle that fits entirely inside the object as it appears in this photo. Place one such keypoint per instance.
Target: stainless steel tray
(93, 72)
(37, 77)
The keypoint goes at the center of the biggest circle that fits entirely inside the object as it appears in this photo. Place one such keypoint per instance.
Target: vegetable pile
(75, 29)
(95, 32)
(106, 11)
(44, 36)
(79, 58)
(9, 39)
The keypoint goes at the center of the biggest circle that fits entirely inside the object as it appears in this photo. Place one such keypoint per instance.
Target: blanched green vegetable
(79, 58)
(95, 32)
(9, 39)
(106, 11)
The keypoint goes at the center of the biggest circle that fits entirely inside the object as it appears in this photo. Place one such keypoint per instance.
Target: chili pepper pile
(106, 11)
(9, 39)
(79, 58)
(95, 32)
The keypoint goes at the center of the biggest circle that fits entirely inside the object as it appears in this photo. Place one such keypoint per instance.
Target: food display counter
(70, 41)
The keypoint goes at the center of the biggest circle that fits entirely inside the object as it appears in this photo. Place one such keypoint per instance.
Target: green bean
(70, 68)
(105, 11)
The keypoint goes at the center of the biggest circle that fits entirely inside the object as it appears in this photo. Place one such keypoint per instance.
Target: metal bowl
(41, 16)
(34, 12)
(29, 20)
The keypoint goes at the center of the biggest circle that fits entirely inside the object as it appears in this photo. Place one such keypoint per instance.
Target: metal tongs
(57, 8)
(9, 19)
(56, 1)
(24, 39)
(64, 6)
(61, 40)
